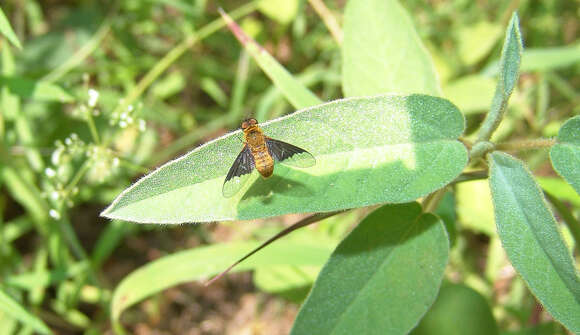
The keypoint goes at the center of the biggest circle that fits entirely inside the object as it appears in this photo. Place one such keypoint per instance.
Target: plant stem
(300, 224)
(77, 177)
(526, 144)
(93, 128)
(469, 176)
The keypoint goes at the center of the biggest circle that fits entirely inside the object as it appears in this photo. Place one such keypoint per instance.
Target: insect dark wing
(239, 173)
(289, 154)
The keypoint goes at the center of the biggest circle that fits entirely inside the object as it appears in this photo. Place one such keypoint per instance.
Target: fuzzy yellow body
(256, 141)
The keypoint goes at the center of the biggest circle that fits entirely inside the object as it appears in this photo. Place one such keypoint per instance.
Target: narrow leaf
(15, 310)
(532, 241)
(6, 30)
(565, 155)
(367, 150)
(382, 52)
(37, 90)
(365, 286)
(508, 76)
(202, 262)
(296, 93)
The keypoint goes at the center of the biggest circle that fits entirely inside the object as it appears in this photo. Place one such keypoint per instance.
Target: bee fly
(260, 152)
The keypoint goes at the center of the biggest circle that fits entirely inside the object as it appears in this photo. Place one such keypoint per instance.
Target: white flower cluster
(128, 118)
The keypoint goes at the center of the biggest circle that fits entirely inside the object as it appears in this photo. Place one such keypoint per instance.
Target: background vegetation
(94, 95)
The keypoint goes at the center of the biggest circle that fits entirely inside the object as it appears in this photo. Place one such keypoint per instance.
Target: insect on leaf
(289, 154)
(239, 173)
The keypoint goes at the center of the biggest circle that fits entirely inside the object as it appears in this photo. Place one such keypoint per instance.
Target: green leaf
(36, 90)
(15, 310)
(532, 241)
(296, 93)
(458, 309)
(365, 287)
(202, 262)
(565, 155)
(6, 30)
(382, 52)
(368, 151)
(476, 40)
(548, 328)
(511, 54)
(471, 94)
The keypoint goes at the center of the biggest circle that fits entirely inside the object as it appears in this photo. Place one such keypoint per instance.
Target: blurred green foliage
(102, 92)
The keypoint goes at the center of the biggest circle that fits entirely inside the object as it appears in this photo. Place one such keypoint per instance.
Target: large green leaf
(532, 241)
(458, 310)
(382, 277)
(382, 52)
(202, 262)
(565, 155)
(368, 151)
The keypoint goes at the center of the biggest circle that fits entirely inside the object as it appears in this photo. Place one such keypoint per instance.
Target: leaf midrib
(535, 235)
(336, 153)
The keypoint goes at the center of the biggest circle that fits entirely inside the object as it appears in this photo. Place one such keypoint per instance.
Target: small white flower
(116, 162)
(54, 195)
(93, 97)
(50, 172)
(123, 124)
(54, 214)
(142, 125)
(130, 108)
(67, 141)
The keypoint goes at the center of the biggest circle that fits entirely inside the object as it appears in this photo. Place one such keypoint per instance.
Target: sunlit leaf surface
(382, 52)
(368, 151)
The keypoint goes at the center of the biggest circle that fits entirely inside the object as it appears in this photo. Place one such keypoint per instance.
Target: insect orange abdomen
(257, 143)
